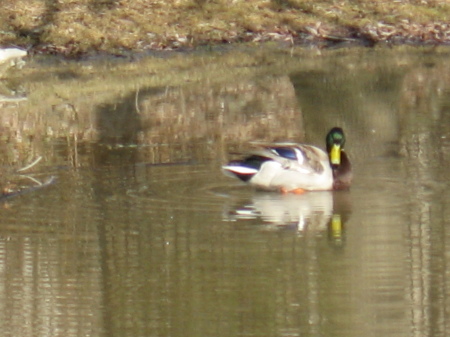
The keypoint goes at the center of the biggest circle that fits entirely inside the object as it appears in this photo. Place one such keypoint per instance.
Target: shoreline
(383, 35)
(74, 28)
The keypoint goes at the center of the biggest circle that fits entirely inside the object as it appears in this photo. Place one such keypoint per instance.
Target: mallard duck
(296, 168)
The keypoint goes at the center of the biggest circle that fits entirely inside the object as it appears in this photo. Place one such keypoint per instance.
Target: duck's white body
(285, 166)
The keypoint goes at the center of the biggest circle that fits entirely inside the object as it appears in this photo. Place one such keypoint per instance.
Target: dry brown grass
(78, 26)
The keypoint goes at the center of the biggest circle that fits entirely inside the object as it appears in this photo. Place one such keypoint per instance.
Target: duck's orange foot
(298, 191)
(284, 190)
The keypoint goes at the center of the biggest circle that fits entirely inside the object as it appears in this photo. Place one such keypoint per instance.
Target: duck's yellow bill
(335, 155)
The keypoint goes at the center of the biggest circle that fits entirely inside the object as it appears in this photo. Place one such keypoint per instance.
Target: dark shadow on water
(119, 125)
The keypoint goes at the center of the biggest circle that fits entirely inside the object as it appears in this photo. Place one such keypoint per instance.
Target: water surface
(142, 235)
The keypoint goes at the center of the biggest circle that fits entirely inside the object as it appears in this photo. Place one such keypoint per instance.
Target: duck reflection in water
(314, 212)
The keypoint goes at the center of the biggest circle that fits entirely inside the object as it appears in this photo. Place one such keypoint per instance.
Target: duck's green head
(335, 144)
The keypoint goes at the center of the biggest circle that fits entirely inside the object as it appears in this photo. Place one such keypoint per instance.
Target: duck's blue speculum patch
(285, 152)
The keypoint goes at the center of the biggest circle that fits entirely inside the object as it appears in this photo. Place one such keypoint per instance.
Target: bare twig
(137, 102)
(38, 182)
(38, 159)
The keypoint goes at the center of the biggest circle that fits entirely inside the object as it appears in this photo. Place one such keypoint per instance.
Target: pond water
(141, 234)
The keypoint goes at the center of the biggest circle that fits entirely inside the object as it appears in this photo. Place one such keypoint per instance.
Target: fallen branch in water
(37, 160)
(10, 194)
